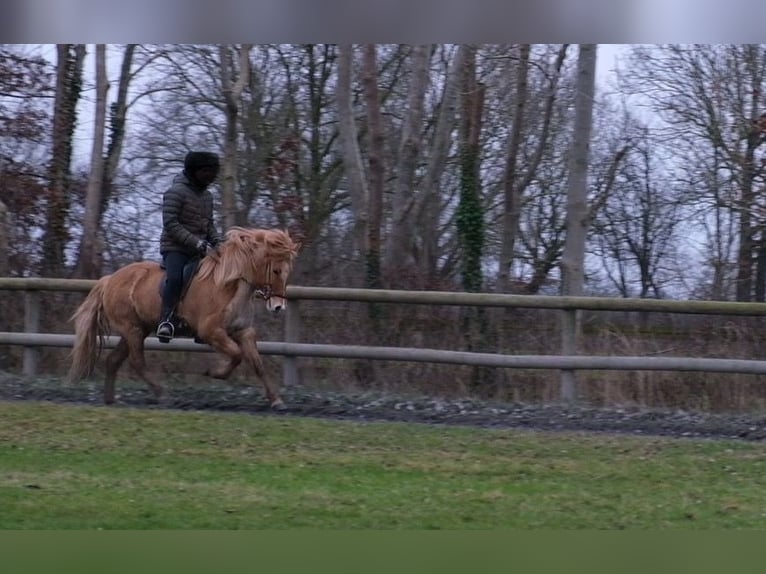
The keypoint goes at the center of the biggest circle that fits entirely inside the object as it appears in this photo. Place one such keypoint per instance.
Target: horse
(218, 305)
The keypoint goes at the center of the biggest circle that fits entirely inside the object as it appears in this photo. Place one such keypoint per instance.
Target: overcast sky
(382, 21)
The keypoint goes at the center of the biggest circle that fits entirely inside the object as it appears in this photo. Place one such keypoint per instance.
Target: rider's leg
(174, 269)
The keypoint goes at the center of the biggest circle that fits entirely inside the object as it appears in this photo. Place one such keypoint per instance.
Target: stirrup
(165, 332)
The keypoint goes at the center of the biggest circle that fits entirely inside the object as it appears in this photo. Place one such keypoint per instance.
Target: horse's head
(274, 289)
(261, 257)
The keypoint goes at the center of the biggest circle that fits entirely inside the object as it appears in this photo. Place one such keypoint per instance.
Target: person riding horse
(188, 229)
(219, 306)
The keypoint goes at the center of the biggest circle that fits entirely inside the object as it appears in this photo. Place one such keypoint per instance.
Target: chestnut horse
(217, 306)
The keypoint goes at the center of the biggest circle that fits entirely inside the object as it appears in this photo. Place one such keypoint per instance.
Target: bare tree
(26, 89)
(118, 114)
(70, 59)
(5, 233)
(710, 97)
(572, 262)
(232, 93)
(573, 259)
(470, 211)
(399, 248)
(88, 265)
(429, 207)
(376, 172)
(518, 177)
(635, 230)
(512, 205)
(352, 157)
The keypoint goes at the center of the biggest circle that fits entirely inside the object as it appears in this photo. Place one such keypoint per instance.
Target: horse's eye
(277, 272)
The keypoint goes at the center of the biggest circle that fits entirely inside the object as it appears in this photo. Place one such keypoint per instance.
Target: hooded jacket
(187, 217)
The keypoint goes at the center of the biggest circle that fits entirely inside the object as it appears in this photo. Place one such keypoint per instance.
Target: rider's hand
(204, 248)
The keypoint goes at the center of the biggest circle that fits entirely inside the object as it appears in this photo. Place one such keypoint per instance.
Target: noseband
(265, 291)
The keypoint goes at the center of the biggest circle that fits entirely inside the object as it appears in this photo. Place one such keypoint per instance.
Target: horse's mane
(245, 253)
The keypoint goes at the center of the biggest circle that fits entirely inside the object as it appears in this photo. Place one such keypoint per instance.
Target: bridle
(265, 291)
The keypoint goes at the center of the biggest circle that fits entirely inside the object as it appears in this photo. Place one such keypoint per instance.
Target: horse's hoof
(156, 395)
(278, 405)
(215, 373)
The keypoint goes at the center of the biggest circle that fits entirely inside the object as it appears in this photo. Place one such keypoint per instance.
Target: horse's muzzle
(276, 304)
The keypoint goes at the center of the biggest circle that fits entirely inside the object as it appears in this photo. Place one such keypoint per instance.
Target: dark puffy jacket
(187, 217)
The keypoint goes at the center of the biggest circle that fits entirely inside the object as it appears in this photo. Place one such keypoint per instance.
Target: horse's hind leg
(113, 362)
(135, 342)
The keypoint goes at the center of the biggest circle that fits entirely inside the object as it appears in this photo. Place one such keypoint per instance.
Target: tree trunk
(746, 249)
(512, 193)
(376, 171)
(430, 202)
(750, 250)
(89, 262)
(399, 243)
(470, 214)
(116, 130)
(352, 156)
(68, 87)
(366, 370)
(232, 94)
(5, 232)
(573, 258)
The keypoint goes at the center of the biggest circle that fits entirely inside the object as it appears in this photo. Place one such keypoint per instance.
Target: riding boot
(166, 329)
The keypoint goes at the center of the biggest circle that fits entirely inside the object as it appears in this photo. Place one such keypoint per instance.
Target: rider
(188, 228)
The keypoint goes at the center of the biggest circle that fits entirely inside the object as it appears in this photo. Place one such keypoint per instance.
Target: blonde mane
(246, 254)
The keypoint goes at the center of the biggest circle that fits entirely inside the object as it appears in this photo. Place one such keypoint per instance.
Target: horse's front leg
(247, 341)
(242, 346)
(222, 343)
(225, 368)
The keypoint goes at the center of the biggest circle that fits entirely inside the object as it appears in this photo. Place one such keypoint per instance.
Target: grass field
(78, 467)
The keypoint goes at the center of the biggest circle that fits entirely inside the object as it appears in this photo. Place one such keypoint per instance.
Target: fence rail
(574, 362)
(567, 363)
(298, 292)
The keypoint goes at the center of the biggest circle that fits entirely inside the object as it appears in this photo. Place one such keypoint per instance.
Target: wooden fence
(568, 362)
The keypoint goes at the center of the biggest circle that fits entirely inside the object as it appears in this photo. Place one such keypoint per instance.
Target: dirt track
(375, 407)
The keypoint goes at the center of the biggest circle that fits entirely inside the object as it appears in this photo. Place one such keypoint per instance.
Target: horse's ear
(297, 243)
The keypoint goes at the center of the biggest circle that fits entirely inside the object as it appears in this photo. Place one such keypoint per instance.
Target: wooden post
(569, 343)
(31, 325)
(290, 371)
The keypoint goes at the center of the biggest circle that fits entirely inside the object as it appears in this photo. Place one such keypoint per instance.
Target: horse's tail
(90, 326)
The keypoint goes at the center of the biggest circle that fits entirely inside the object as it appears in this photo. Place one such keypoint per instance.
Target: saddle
(180, 327)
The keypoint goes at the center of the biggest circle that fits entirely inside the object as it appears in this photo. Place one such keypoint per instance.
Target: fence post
(290, 372)
(569, 342)
(31, 325)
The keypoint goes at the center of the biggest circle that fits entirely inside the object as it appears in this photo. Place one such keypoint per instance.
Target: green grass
(78, 467)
